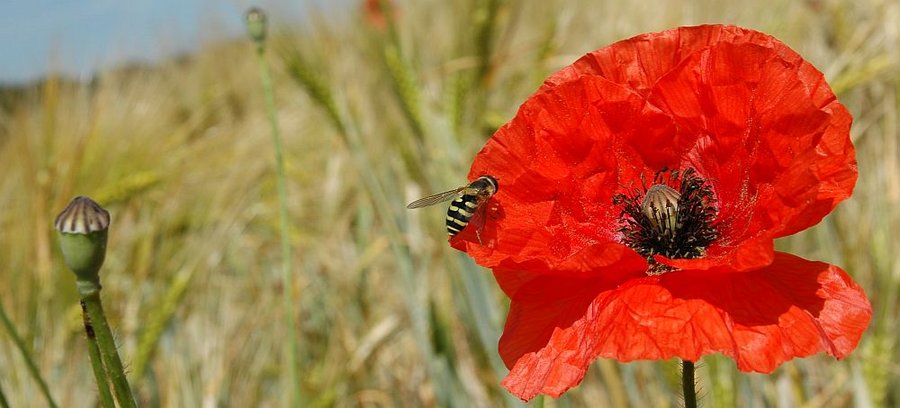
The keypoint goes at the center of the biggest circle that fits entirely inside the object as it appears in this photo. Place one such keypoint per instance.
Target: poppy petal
(539, 307)
(558, 296)
(767, 132)
(756, 119)
(638, 62)
(792, 308)
(558, 164)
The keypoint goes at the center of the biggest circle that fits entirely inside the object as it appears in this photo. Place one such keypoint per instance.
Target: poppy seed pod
(660, 206)
(82, 227)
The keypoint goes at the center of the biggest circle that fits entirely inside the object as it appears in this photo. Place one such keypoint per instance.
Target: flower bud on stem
(82, 228)
(257, 25)
(256, 29)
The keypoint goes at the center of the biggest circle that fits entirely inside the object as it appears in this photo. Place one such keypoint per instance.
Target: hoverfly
(467, 200)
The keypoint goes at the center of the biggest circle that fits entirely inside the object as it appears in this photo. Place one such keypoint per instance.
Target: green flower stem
(3, 402)
(83, 230)
(106, 398)
(29, 362)
(688, 384)
(287, 295)
(90, 301)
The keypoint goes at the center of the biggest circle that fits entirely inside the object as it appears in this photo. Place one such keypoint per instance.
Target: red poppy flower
(378, 13)
(640, 191)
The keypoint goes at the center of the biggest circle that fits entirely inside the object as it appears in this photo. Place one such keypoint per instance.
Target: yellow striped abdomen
(460, 212)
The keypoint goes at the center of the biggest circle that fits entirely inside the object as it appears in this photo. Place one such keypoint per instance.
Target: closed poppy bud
(256, 24)
(82, 228)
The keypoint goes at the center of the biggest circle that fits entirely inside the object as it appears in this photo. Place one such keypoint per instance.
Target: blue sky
(78, 36)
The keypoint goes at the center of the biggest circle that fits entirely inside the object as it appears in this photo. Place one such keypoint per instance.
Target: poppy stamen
(673, 217)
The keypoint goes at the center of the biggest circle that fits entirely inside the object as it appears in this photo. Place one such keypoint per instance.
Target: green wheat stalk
(486, 26)
(315, 87)
(3, 402)
(29, 362)
(156, 322)
(320, 94)
(256, 26)
(406, 86)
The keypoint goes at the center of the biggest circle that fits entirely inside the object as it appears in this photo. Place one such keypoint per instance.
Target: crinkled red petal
(638, 62)
(558, 165)
(542, 302)
(757, 121)
(776, 151)
(792, 308)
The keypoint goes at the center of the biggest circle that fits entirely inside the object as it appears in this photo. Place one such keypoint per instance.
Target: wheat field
(373, 116)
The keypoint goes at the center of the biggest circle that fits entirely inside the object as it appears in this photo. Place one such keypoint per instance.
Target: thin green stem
(29, 362)
(90, 299)
(3, 402)
(286, 269)
(688, 385)
(106, 398)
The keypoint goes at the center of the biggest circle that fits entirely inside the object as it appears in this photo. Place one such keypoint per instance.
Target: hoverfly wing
(437, 198)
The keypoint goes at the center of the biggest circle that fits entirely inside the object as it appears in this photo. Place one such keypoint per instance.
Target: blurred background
(155, 110)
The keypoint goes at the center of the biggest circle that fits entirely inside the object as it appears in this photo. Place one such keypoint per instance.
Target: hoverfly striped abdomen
(463, 208)
(466, 201)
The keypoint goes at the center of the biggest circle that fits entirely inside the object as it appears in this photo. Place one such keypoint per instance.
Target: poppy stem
(256, 25)
(106, 398)
(688, 384)
(106, 345)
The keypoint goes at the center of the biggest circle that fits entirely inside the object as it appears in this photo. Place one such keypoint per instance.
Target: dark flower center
(673, 217)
